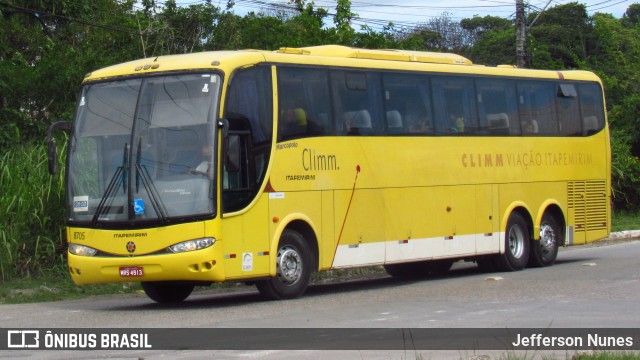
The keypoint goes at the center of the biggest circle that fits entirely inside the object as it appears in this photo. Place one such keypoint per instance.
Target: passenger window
(568, 112)
(407, 104)
(304, 103)
(455, 105)
(536, 100)
(591, 108)
(497, 107)
(357, 102)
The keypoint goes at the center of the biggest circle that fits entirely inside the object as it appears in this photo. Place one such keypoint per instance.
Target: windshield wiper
(119, 175)
(141, 171)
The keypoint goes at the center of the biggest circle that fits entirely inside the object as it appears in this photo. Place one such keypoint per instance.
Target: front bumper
(200, 265)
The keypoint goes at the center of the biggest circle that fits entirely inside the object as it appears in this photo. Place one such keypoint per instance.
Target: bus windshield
(143, 150)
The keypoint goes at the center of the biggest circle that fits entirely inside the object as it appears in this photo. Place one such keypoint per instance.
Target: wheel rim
(516, 241)
(548, 238)
(289, 265)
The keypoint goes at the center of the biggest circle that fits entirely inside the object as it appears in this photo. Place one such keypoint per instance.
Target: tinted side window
(591, 108)
(536, 100)
(407, 100)
(497, 107)
(304, 103)
(249, 97)
(248, 108)
(357, 102)
(568, 112)
(454, 103)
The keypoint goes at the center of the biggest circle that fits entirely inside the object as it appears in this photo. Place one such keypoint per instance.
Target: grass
(56, 287)
(578, 355)
(31, 214)
(625, 221)
(607, 355)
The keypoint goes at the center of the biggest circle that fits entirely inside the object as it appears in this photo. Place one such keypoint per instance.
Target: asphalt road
(588, 287)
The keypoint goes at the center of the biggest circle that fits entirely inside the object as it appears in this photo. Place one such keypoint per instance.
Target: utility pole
(521, 35)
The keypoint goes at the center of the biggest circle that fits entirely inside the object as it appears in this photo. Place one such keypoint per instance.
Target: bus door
(487, 221)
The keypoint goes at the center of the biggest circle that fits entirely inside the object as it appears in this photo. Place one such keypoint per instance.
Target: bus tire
(545, 251)
(516, 243)
(293, 269)
(167, 291)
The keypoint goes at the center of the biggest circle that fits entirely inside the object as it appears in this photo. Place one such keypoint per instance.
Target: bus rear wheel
(517, 241)
(167, 291)
(293, 269)
(545, 250)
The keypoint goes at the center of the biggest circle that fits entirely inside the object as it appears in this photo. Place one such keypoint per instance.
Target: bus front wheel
(167, 291)
(516, 243)
(293, 269)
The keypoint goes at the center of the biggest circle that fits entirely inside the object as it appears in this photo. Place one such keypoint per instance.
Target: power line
(608, 6)
(386, 8)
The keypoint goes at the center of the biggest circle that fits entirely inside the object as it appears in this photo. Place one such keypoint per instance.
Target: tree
(561, 37)
(46, 48)
(493, 40)
(477, 26)
(174, 30)
(616, 59)
(631, 17)
(370, 39)
(443, 34)
(342, 20)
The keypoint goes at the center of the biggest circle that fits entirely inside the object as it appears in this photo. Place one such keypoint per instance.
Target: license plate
(131, 271)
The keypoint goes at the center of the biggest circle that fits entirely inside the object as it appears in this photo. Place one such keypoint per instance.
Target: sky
(376, 13)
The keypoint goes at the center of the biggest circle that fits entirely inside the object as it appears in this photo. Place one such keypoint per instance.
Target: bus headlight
(81, 250)
(191, 245)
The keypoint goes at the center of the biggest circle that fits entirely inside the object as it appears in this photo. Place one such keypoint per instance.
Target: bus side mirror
(52, 153)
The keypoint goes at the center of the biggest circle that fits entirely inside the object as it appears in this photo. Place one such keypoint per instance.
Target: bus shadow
(248, 295)
(241, 296)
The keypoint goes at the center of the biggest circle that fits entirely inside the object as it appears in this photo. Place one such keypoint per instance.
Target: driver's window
(248, 109)
(236, 174)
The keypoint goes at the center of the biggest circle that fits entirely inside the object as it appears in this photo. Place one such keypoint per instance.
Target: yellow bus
(265, 166)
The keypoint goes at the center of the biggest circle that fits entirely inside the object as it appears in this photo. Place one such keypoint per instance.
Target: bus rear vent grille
(588, 199)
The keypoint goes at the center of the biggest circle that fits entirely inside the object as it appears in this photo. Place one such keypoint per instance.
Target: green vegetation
(31, 213)
(607, 355)
(578, 355)
(46, 47)
(57, 286)
(624, 220)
